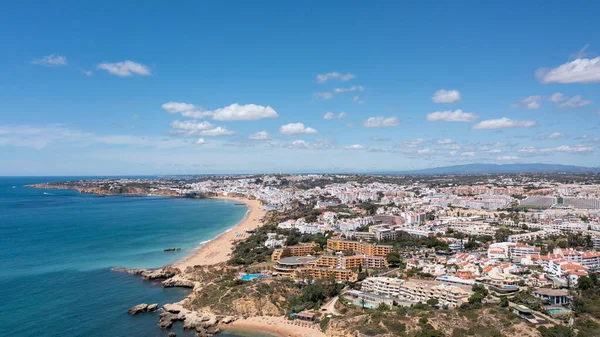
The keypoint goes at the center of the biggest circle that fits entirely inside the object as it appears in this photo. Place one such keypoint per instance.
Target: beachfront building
(288, 265)
(359, 247)
(421, 291)
(302, 249)
(382, 285)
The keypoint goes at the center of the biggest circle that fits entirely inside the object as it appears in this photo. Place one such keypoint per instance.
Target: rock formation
(140, 308)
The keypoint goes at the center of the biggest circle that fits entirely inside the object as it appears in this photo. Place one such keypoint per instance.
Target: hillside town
(523, 245)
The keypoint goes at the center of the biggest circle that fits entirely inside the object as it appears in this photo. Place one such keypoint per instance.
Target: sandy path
(216, 251)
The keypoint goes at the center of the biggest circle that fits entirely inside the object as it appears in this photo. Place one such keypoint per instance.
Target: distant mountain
(501, 168)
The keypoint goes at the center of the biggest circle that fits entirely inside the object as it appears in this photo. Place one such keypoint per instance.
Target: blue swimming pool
(555, 312)
(367, 305)
(250, 277)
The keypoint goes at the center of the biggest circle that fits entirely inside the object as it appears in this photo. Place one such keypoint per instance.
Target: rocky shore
(203, 322)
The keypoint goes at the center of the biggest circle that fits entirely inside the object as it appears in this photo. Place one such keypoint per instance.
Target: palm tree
(363, 303)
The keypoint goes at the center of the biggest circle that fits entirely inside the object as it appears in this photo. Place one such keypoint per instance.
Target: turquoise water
(558, 311)
(57, 248)
(367, 305)
(250, 277)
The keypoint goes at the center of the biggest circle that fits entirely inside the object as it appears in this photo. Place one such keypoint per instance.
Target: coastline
(216, 250)
(276, 326)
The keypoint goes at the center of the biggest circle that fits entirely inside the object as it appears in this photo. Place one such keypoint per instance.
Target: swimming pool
(555, 312)
(367, 305)
(250, 277)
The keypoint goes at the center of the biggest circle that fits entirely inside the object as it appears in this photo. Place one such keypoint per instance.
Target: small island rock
(138, 308)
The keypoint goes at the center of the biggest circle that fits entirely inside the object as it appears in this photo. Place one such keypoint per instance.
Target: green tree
(433, 302)
(394, 259)
(502, 234)
(585, 283)
(363, 302)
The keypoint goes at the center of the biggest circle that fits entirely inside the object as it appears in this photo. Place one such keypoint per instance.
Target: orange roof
(572, 266)
(576, 272)
(588, 255)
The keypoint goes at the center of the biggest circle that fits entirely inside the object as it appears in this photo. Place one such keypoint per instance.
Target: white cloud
(260, 135)
(570, 149)
(424, 151)
(531, 102)
(413, 143)
(503, 123)
(508, 158)
(87, 73)
(574, 102)
(201, 141)
(468, 154)
(323, 95)
(451, 116)
(356, 99)
(247, 112)
(554, 135)
(39, 137)
(452, 153)
(446, 96)
(557, 97)
(186, 109)
(444, 141)
(331, 115)
(355, 147)
(218, 131)
(495, 151)
(375, 122)
(296, 128)
(125, 68)
(379, 139)
(581, 70)
(191, 126)
(322, 78)
(51, 60)
(349, 89)
(233, 112)
(528, 149)
(302, 144)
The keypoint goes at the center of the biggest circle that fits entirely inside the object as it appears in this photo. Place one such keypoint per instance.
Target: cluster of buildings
(406, 292)
(417, 209)
(340, 261)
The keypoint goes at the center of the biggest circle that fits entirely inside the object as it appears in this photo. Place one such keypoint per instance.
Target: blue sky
(238, 86)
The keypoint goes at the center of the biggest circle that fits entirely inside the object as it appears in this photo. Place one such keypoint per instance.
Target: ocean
(57, 248)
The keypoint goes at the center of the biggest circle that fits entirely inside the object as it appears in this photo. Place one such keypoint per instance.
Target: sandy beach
(217, 250)
(277, 326)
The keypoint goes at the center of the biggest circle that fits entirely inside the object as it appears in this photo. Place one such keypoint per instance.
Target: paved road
(329, 307)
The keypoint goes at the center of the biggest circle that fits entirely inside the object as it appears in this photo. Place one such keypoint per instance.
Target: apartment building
(323, 273)
(298, 250)
(509, 250)
(534, 235)
(359, 247)
(352, 262)
(382, 285)
(563, 267)
(421, 291)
